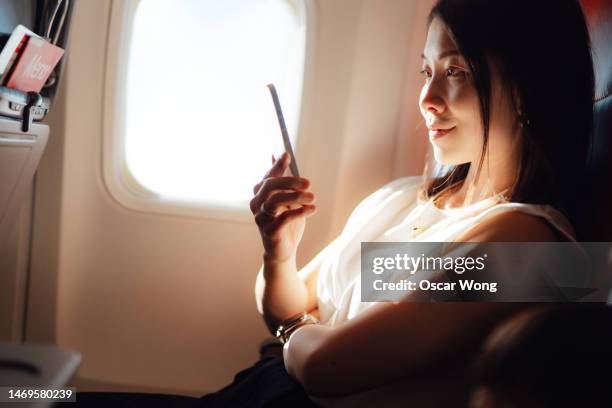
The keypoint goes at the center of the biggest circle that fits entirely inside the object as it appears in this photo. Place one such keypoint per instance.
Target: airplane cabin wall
(166, 303)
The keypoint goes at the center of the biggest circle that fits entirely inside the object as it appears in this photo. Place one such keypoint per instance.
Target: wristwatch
(288, 326)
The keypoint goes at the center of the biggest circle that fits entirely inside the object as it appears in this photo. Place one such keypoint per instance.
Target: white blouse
(389, 215)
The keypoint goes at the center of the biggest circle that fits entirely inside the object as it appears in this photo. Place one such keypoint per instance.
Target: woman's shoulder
(520, 222)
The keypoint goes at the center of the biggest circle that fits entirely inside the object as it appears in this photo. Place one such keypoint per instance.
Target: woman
(510, 120)
(513, 83)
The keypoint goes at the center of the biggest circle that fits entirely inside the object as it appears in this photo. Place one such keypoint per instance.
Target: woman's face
(449, 101)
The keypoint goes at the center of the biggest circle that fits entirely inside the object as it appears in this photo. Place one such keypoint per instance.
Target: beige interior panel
(166, 303)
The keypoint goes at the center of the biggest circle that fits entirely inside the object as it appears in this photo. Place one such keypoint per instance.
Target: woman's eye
(454, 72)
(425, 72)
(450, 72)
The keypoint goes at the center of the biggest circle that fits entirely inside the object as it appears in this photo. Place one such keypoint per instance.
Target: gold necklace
(416, 231)
(419, 229)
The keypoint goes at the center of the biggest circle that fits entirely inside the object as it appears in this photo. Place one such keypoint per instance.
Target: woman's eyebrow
(444, 54)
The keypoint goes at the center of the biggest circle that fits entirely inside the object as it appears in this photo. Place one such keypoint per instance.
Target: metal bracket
(34, 101)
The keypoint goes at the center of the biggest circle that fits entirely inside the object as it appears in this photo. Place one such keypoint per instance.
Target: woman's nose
(431, 99)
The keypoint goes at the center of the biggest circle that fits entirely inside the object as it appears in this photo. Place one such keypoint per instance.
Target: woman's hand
(281, 205)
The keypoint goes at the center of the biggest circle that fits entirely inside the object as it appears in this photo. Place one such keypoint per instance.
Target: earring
(523, 121)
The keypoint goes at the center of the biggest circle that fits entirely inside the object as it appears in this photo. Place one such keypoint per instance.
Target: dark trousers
(265, 384)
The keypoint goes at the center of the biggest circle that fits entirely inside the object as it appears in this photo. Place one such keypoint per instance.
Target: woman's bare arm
(390, 341)
(279, 292)
(387, 342)
(282, 291)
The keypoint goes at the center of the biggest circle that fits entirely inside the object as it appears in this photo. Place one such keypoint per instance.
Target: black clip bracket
(34, 100)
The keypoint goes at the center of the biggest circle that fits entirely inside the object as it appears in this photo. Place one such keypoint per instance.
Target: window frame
(119, 181)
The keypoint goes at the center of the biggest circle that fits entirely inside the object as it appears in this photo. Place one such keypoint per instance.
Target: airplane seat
(597, 225)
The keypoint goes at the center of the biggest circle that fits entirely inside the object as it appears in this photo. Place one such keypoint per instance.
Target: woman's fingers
(279, 166)
(286, 217)
(270, 185)
(290, 200)
(277, 169)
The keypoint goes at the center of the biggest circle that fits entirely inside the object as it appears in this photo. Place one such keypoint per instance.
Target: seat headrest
(597, 224)
(599, 18)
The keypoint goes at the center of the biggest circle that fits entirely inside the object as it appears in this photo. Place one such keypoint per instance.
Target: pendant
(416, 231)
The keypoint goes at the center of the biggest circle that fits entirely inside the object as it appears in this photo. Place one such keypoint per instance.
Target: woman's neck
(495, 179)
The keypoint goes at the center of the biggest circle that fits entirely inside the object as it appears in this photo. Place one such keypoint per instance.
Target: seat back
(597, 225)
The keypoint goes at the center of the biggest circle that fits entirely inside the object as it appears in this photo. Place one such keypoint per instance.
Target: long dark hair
(544, 54)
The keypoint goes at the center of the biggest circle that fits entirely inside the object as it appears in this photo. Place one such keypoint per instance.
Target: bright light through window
(200, 123)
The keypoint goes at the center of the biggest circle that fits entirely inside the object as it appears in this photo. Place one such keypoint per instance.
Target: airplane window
(199, 123)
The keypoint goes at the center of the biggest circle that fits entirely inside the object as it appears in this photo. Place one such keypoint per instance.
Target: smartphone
(281, 121)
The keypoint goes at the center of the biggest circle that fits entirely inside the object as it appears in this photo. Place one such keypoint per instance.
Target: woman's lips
(436, 134)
